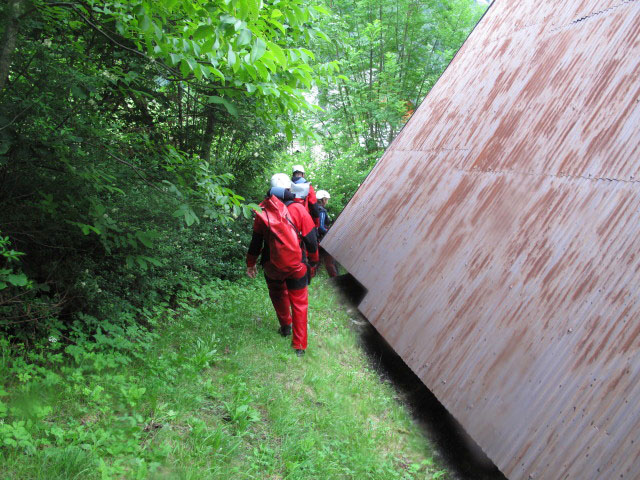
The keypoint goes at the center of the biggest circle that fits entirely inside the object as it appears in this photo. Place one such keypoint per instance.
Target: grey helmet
(300, 190)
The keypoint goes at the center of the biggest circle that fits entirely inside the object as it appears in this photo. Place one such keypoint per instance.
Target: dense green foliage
(212, 393)
(124, 122)
(131, 132)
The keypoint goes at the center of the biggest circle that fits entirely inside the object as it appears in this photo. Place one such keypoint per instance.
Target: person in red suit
(285, 239)
(311, 202)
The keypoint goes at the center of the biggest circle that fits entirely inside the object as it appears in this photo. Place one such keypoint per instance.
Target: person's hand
(252, 271)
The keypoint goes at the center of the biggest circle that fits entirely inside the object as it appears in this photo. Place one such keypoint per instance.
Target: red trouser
(290, 300)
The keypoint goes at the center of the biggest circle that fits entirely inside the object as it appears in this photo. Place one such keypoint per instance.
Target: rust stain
(512, 269)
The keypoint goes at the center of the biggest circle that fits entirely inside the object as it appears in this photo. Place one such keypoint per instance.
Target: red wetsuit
(288, 291)
(312, 205)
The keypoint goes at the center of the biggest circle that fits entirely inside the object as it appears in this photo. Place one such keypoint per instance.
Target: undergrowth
(206, 389)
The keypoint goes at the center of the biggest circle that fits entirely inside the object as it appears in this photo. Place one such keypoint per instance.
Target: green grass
(213, 393)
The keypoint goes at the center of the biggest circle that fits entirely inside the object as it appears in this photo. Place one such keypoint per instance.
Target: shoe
(299, 352)
(285, 330)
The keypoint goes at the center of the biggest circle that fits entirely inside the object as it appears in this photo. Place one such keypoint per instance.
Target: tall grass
(212, 392)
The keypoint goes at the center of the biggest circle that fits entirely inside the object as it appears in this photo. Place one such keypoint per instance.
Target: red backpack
(284, 239)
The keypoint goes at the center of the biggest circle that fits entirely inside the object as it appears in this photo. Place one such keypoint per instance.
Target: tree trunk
(9, 39)
(207, 138)
(180, 132)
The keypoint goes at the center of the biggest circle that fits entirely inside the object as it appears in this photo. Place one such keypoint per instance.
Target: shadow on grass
(457, 451)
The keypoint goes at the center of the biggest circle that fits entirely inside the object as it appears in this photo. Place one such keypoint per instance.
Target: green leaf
(185, 69)
(278, 25)
(278, 54)
(231, 57)
(145, 24)
(259, 47)
(300, 14)
(197, 71)
(262, 70)
(204, 31)
(218, 73)
(192, 64)
(228, 19)
(207, 45)
(157, 31)
(244, 38)
(18, 280)
(306, 54)
(129, 261)
(221, 101)
(5, 144)
(190, 218)
(78, 92)
(322, 35)
(153, 261)
(176, 58)
(321, 9)
(145, 238)
(180, 211)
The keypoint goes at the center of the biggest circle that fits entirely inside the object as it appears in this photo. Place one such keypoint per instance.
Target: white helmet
(280, 180)
(297, 168)
(322, 194)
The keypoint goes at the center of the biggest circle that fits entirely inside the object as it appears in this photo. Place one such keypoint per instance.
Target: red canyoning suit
(288, 291)
(312, 205)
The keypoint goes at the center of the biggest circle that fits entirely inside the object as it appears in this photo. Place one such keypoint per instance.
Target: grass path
(216, 394)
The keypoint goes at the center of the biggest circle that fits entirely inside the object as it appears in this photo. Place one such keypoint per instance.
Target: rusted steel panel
(505, 268)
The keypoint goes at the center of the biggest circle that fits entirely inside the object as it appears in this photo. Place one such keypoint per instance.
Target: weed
(209, 393)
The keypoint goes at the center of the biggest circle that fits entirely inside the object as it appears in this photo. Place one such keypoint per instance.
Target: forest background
(136, 136)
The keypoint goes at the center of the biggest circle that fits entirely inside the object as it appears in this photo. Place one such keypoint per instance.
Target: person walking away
(285, 239)
(311, 202)
(323, 227)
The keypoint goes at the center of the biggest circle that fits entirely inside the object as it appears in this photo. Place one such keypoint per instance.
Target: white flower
(52, 339)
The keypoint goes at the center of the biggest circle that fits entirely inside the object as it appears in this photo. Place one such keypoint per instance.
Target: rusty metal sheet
(499, 239)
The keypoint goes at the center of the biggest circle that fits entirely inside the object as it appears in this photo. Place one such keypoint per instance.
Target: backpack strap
(295, 228)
